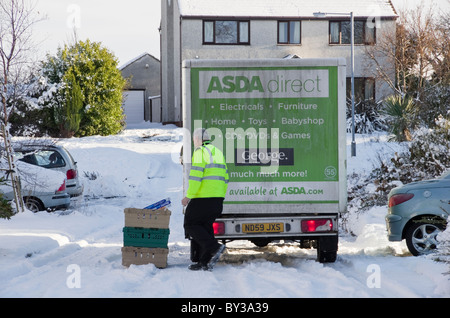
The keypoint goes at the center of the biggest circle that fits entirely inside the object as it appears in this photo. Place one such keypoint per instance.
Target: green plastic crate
(143, 237)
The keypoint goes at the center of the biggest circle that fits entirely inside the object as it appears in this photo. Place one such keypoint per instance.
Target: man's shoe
(215, 257)
(197, 267)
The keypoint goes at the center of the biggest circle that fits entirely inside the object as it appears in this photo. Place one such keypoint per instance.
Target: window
(226, 32)
(45, 158)
(289, 32)
(341, 32)
(364, 88)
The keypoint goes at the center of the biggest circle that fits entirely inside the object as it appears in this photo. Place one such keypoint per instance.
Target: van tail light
(317, 225)
(399, 198)
(219, 228)
(71, 174)
(62, 187)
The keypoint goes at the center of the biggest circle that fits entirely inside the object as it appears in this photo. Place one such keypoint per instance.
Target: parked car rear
(42, 189)
(418, 212)
(53, 157)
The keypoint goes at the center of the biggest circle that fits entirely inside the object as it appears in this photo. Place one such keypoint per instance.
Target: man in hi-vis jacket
(208, 182)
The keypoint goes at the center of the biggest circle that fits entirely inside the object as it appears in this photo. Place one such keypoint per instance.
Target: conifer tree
(94, 69)
(74, 104)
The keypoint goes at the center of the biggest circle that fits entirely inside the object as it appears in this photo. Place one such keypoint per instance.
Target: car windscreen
(44, 158)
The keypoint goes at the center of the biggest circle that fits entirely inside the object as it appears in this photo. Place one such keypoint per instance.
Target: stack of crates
(146, 235)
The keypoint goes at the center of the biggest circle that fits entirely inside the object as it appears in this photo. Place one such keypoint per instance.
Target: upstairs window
(341, 32)
(226, 32)
(289, 32)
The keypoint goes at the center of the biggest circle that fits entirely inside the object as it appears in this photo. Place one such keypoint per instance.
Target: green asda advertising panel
(278, 129)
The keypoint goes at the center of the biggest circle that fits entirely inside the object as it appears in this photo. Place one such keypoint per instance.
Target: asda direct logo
(238, 84)
(264, 83)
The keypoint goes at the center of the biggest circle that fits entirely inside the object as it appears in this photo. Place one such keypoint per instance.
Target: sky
(127, 28)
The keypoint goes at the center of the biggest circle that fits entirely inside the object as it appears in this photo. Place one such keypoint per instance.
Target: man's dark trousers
(198, 225)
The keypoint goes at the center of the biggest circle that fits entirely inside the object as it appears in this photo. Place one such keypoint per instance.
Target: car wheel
(421, 237)
(34, 205)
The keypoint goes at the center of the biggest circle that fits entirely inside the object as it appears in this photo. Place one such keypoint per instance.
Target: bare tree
(17, 18)
(440, 51)
(416, 49)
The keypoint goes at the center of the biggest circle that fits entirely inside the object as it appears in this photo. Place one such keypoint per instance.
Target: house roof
(285, 8)
(137, 58)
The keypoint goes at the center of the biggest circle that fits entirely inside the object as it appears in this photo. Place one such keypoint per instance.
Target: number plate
(262, 227)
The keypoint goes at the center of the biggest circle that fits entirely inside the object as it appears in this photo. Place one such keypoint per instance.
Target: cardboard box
(157, 219)
(143, 237)
(144, 255)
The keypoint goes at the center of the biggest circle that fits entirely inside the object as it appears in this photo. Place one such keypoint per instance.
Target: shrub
(6, 210)
(429, 149)
(443, 248)
(93, 69)
(400, 115)
(367, 117)
(427, 157)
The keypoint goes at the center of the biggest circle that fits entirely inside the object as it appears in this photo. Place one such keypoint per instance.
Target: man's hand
(185, 201)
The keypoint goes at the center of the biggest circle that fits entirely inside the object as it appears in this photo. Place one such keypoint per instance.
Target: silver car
(418, 212)
(42, 189)
(56, 158)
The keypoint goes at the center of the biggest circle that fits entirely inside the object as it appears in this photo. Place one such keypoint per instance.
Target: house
(142, 100)
(246, 29)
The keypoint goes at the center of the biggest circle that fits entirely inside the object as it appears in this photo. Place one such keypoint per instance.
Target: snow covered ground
(77, 253)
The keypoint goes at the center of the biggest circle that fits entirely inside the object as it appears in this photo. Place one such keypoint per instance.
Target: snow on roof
(136, 59)
(285, 8)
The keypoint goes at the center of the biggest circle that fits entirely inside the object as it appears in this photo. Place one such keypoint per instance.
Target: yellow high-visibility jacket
(208, 177)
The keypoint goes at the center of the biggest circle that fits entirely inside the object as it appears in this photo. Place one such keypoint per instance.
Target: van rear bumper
(286, 227)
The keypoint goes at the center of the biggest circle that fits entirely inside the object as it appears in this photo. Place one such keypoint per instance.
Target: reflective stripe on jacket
(208, 177)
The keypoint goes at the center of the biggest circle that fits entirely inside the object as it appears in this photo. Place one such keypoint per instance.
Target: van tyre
(327, 249)
(261, 242)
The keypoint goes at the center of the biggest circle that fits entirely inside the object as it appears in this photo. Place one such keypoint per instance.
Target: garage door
(134, 107)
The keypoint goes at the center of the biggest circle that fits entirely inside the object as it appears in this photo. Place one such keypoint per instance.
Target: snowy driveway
(77, 253)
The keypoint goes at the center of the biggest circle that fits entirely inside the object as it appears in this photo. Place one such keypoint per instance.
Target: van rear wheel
(261, 242)
(327, 249)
